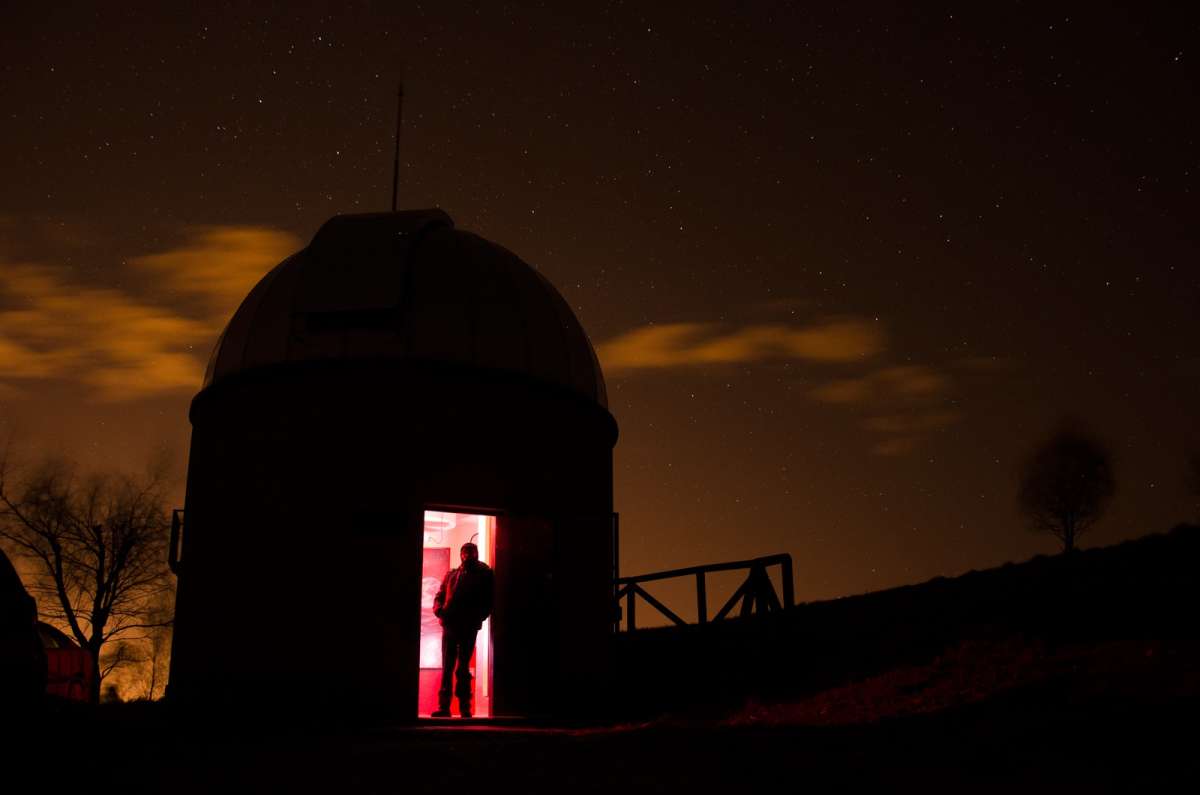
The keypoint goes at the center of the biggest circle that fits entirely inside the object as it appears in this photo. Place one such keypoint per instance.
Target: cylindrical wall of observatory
(300, 565)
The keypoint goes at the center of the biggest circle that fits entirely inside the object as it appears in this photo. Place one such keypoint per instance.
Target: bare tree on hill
(1065, 486)
(95, 549)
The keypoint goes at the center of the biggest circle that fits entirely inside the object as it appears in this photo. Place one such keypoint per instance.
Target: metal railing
(756, 593)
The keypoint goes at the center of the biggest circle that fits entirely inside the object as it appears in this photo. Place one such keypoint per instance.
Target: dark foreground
(1030, 740)
(1061, 675)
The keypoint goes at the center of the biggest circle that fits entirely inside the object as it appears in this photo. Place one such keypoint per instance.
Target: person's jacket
(465, 598)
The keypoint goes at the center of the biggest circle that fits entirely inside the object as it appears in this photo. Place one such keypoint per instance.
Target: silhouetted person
(461, 604)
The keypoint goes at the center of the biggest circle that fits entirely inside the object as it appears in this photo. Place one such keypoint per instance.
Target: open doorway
(444, 534)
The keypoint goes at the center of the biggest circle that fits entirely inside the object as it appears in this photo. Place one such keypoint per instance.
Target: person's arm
(439, 601)
(489, 592)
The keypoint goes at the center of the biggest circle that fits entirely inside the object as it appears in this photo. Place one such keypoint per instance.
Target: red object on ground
(68, 668)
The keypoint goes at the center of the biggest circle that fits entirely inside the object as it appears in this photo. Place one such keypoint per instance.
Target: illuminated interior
(444, 535)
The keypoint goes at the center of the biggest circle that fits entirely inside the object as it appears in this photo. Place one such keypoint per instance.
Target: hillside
(1054, 675)
(1120, 615)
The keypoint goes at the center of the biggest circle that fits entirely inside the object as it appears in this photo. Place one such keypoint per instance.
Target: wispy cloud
(904, 431)
(124, 345)
(672, 345)
(910, 381)
(219, 264)
(903, 405)
(899, 405)
(913, 422)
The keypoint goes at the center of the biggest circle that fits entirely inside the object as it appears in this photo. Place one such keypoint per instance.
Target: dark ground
(1055, 675)
(1029, 741)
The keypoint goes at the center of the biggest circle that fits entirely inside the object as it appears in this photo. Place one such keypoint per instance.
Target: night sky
(843, 268)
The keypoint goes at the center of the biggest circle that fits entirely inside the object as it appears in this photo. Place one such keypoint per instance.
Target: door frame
(419, 525)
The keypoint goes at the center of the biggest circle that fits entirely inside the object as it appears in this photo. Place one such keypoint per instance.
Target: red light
(444, 535)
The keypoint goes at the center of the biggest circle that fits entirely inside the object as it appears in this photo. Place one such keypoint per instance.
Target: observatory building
(393, 390)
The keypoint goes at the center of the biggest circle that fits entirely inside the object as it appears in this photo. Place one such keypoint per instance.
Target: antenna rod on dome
(396, 156)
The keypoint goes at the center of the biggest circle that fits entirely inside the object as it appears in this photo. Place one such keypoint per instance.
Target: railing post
(751, 593)
(616, 569)
(701, 598)
(629, 611)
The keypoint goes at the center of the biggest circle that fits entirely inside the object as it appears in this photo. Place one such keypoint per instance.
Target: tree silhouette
(1065, 485)
(95, 549)
(161, 614)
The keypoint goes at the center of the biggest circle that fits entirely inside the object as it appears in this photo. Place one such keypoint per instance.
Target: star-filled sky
(843, 268)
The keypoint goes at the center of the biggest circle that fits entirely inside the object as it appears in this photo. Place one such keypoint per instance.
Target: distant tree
(95, 553)
(1065, 485)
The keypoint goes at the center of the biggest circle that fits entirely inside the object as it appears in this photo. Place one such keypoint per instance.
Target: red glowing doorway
(444, 534)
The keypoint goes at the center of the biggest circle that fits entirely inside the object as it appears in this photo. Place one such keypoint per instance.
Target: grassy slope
(1122, 615)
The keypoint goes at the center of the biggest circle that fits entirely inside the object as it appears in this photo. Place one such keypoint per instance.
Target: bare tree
(1066, 485)
(95, 548)
(161, 613)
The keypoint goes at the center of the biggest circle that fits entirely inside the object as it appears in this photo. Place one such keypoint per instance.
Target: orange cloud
(907, 404)
(896, 445)
(219, 264)
(125, 347)
(687, 344)
(904, 400)
(914, 380)
(845, 390)
(918, 422)
(889, 383)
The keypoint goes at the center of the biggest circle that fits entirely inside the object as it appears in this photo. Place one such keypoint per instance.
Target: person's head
(469, 552)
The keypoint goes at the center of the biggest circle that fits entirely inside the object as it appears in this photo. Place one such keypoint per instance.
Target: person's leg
(464, 684)
(449, 647)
